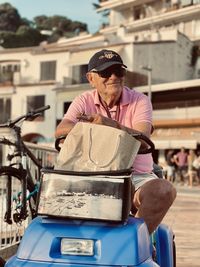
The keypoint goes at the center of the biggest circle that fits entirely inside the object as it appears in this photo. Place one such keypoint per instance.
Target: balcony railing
(6, 78)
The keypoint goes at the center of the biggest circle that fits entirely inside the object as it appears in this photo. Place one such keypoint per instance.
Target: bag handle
(114, 154)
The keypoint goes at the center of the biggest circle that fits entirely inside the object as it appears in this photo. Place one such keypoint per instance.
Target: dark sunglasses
(119, 72)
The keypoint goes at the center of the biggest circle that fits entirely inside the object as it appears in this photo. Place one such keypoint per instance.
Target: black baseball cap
(104, 59)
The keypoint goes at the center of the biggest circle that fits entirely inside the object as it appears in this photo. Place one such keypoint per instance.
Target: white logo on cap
(108, 55)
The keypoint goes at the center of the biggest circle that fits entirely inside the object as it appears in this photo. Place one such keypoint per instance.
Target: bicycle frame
(21, 151)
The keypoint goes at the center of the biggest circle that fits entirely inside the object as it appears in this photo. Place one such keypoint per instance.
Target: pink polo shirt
(134, 107)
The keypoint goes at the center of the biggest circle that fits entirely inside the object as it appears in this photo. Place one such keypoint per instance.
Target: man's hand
(98, 119)
(142, 127)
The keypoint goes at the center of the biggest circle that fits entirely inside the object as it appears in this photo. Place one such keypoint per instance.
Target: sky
(80, 10)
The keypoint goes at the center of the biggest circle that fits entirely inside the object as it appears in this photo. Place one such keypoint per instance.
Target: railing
(10, 235)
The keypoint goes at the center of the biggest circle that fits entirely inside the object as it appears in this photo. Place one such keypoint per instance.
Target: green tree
(24, 37)
(106, 12)
(10, 19)
(40, 22)
(59, 23)
(26, 22)
(59, 26)
(21, 32)
(29, 36)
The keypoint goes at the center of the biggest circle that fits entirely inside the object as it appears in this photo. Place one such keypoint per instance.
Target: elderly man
(112, 104)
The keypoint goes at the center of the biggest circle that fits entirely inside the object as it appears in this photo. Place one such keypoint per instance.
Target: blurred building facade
(159, 42)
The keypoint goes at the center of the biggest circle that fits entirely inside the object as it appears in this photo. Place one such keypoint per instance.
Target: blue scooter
(84, 220)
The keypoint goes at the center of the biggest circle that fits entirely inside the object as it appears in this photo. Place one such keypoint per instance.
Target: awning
(175, 138)
(82, 57)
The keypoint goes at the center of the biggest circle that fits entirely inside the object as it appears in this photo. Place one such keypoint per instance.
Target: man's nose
(113, 75)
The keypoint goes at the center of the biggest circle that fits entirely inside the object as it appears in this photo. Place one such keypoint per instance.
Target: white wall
(19, 107)
(170, 60)
(28, 84)
(30, 63)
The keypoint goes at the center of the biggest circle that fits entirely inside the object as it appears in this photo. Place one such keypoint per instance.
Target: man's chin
(115, 87)
(114, 92)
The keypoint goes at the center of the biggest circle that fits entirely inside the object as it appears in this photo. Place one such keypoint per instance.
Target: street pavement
(184, 219)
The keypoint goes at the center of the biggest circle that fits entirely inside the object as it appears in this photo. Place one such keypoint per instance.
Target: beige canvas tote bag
(92, 147)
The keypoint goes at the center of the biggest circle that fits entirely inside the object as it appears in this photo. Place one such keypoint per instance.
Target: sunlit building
(159, 42)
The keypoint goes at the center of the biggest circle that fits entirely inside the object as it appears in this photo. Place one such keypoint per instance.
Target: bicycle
(18, 168)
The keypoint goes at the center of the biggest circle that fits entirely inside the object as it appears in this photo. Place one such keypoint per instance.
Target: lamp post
(149, 70)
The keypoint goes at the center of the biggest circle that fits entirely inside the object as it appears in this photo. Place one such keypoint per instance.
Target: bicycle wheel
(9, 173)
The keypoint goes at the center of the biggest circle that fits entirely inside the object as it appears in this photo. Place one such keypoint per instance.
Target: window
(79, 74)
(178, 98)
(34, 102)
(186, 2)
(1, 156)
(136, 14)
(5, 109)
(47, 70)
(7, 70)
(66, 106)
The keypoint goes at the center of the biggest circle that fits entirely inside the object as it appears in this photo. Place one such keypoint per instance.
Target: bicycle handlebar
(30, 115)
(6, 141)
(39, 110)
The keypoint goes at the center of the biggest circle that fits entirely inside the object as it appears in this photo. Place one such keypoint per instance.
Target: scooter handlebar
(150, 147)
(139, 136)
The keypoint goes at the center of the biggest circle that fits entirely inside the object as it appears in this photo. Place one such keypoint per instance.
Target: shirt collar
(125, 99)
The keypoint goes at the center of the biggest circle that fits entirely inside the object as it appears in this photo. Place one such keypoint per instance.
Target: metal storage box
(74, 195)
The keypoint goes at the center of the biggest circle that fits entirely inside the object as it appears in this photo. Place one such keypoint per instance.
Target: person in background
(181, 160)
(193, 167)
(198, 165)
(113, 104)
(170, 166)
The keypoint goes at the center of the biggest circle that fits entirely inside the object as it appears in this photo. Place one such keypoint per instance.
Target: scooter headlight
(79, 247)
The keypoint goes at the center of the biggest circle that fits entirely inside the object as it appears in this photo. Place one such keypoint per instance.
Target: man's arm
(64, 127)
(142, 127)
(176, 159)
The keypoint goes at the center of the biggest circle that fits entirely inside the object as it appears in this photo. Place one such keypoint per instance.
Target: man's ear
(90, 78)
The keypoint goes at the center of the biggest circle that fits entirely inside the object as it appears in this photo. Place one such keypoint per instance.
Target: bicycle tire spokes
(23, 211)
(20, 204)
(7, 217)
